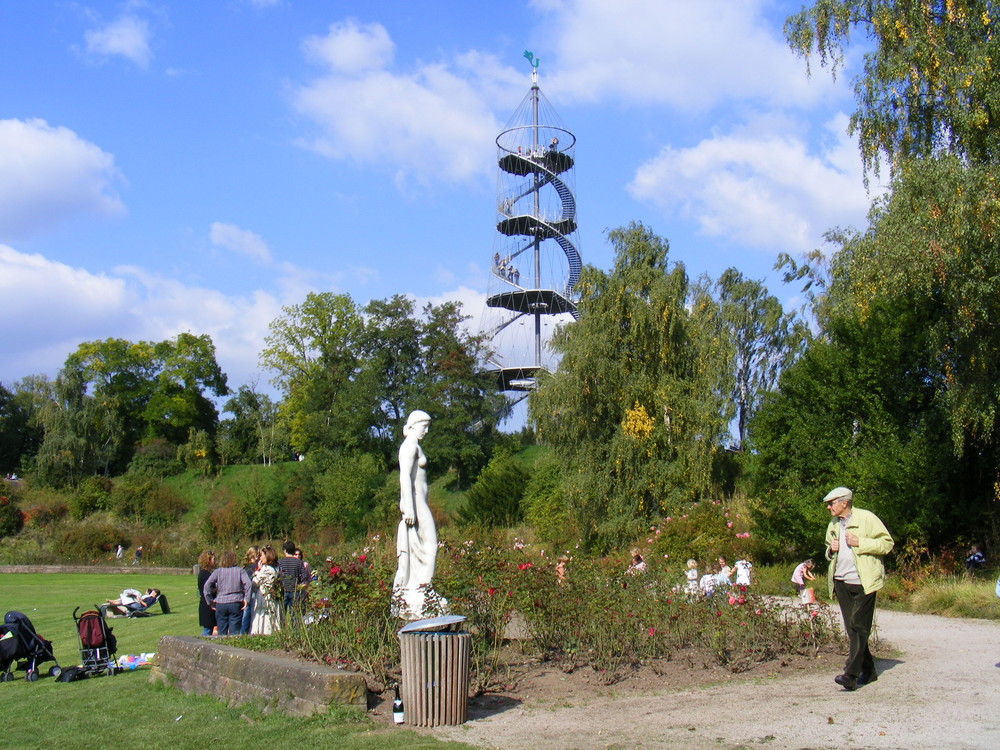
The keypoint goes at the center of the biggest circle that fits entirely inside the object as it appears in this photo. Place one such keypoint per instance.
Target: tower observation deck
(536, 264)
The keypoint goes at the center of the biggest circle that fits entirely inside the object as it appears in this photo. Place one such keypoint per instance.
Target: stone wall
(235, 675)
(123, 569)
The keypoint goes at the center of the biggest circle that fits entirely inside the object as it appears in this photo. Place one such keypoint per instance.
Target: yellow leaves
(902, 31)
(637, 422)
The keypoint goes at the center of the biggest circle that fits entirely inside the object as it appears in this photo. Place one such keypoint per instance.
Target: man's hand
(851, 539)
(835, 545)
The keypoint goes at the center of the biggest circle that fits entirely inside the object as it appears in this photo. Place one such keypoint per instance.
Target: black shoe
(867, 677)
(846, 681)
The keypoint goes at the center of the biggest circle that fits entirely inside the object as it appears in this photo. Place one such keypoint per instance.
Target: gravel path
(938, 690)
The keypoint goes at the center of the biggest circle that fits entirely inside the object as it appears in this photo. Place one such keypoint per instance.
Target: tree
(153, 390)
(350, 377)
(314, 349)
(929, 82)
(255, 433)
(461, 398)
(764, 339)
(639, 404)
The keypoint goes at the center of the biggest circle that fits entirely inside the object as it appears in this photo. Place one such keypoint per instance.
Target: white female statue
(416, 536)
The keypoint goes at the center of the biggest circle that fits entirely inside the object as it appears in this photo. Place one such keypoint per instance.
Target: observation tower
(536, 263)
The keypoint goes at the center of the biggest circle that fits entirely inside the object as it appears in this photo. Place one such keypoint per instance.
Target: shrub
(130, 495)
(495, 498)
(11, 517)
(545, 506)
(345, 489)
(156, 457)
(164, 507)
(89, 540)
(91, 496)
(222, 523)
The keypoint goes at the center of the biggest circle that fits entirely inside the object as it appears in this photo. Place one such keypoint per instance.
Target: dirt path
(938, 690)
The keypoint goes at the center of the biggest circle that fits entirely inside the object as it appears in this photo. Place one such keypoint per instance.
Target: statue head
(416, 418)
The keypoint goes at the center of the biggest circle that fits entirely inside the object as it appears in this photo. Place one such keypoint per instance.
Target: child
(691, 574)
(708, 581)
(743, 567)
(803, 573)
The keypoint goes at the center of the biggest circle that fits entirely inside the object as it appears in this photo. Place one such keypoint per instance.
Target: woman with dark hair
(227, 591)
(206, 617)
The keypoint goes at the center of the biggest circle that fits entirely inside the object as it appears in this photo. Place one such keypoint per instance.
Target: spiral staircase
(536, 226)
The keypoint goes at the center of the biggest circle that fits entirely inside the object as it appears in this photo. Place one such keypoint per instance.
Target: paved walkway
(939, 690)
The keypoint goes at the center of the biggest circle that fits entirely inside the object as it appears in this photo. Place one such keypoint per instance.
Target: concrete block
(235, 675)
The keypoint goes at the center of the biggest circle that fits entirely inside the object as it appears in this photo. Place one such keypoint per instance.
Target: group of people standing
(253, 597)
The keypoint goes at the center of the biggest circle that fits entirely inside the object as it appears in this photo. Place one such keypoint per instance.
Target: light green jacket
(873, 542)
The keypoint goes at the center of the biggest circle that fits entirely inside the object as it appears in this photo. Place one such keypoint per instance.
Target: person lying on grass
(131, 600)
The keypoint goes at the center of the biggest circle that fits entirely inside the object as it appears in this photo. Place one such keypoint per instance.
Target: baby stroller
(98, 644)
(19, 640)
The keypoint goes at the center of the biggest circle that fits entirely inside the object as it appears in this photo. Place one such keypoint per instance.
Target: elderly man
(856, 540)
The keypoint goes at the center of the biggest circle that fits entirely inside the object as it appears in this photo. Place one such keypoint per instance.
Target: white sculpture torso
(416, 536)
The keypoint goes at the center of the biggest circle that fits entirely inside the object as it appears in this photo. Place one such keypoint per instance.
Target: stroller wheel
(6, 677)
(54, 671)
(31, 675)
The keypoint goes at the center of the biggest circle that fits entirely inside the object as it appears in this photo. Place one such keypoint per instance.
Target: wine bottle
(397, 707)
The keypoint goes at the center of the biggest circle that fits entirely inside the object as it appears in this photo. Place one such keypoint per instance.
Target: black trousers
(858, 609)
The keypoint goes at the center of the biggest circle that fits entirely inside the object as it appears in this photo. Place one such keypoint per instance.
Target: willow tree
(638, 407)
(929, 81)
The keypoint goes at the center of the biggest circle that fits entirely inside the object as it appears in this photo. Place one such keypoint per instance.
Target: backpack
(94, 633)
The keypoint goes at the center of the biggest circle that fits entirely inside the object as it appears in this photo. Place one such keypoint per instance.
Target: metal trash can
(435, 663)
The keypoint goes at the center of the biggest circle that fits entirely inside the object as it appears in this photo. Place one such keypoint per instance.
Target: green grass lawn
(106, 711)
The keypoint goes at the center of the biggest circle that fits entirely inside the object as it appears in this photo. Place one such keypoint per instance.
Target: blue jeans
(247, 618)
(229, 617)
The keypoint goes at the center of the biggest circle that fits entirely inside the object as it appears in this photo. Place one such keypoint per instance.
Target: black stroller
(98, 644)
(19, 641)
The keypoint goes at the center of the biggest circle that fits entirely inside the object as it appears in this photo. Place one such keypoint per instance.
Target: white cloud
(239, 240)
(427, 124)
(127, 36)
(50, 308)
(688, 55)
(48, 175)
(763, 189)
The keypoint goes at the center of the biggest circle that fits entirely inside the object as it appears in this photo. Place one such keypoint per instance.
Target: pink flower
(729, 524)
(362, 558)
(652, 631)
(524, 566)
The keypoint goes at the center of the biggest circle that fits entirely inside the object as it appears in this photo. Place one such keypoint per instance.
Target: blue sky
(181, 166)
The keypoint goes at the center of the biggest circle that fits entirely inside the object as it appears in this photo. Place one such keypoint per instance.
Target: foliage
(155, 457)
(929, 80)
(92, 495)
(351, 623)
(545, 508)
(495, 498)
(261, 504)
(763, 338)
(11, 516)
(345, 489)
(143, 390)
(703, 531)
(639, 404)
(955, 597)
(897, 399)
(254, 434)
(198, 452)
(88, 540)
(17, 434)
